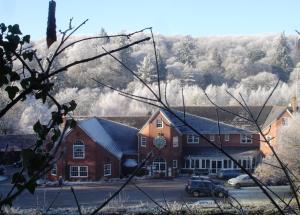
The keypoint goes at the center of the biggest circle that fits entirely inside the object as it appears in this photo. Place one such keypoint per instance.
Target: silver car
(241, 181)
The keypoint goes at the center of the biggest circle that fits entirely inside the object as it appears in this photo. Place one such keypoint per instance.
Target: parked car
(201, 172)
(228, 173)
(241, 181)
(206, 177)
(205, 188)
(200, 177)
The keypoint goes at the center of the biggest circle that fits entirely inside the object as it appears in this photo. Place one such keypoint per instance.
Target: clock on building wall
(160, 142)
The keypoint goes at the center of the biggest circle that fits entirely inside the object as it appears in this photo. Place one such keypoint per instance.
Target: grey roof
(274, 114)
(132, 121)
(210, 152)
(17, 142)
(201, 124)
(268, 114)
(117, 138)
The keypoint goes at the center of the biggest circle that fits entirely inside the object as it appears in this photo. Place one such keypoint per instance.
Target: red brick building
(102, 148)
(177, 149)
(97, 148)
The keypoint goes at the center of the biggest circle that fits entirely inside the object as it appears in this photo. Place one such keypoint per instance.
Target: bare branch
(266, 101)
(122, 92)
(101, 37)
(123, 185)
(157, 67)
(76, 200)
(134, 74)
(149, 197)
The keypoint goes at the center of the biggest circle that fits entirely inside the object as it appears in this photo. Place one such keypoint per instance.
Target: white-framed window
(175, 142)
(226, 137)
(54, 170)
(78, 150)
(78, 171)
(246, 138)
(159, 123)
(143, 141)
(212, 137)
(107, 169)
(192, 139)
(175, 164)
(284, 121)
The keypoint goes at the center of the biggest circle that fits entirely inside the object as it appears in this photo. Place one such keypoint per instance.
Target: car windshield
(243, 177)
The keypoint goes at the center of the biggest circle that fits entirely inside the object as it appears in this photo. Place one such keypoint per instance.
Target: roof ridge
(124, 125)
(103, 145)
(208, 119)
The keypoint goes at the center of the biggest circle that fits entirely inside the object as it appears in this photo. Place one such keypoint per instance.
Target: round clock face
(159, 142)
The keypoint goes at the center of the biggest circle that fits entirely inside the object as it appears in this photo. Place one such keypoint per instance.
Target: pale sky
(169, 17)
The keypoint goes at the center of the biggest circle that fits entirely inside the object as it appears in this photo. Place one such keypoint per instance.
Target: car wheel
(221, 195)
(196, 194)
(238, 186)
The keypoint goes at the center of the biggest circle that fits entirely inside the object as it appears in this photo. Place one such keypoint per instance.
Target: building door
(159, 167)
(213, 166)
(219, 165)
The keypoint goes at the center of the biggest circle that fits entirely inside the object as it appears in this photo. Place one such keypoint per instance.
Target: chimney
(294, 104)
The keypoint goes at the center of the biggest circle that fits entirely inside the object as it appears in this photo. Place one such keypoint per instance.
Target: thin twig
(157, 67)
(148, 196)
(123, 185)
(266, 101)
(54, 199)
(134, 74)
(76, 200)
(101, 37)
(122, 92)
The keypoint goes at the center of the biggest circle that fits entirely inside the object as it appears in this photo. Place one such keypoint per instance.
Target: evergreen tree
(147, 70)
(185, 52)
(282, 56)
(162, 68)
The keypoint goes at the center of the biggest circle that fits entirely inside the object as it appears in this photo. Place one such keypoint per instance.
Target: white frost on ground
(117, 206)
(3, 178)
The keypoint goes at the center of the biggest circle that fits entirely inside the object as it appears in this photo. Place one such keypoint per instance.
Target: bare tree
(22, 81)
(157, 100)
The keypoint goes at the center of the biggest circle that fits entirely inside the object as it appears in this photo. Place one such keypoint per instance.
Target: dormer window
(78, 150)
(159, 123)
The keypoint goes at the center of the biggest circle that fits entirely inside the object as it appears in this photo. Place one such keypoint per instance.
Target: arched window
(78, 149)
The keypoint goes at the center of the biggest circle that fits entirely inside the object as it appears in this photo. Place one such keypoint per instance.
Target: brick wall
(95, 158)
(273, 131)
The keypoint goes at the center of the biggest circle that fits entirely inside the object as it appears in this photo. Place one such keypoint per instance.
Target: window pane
(175, 141)
(197, 164)
(207, 164)
(225, 164)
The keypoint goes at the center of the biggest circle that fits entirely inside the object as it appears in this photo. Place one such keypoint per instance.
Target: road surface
(92, 195)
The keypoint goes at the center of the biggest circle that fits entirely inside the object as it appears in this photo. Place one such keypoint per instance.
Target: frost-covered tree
(282, 58)
(263, 79)
(162, 68)
(288, 150)
(35, 110)
(256, 55)
(147, 70)
(185, 52)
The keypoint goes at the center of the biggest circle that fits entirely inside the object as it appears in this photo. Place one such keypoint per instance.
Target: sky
(168, 17)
